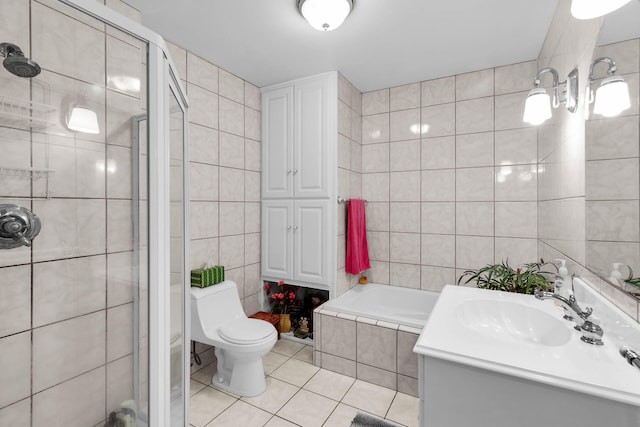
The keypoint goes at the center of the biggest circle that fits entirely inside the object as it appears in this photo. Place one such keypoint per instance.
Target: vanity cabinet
(299, 176)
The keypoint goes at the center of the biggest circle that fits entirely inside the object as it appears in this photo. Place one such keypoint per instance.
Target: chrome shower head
(16, 63)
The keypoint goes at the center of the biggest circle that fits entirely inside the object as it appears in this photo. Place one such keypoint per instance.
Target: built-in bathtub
(369, 333)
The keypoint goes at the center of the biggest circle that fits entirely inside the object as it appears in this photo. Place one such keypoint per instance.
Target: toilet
(217, 319)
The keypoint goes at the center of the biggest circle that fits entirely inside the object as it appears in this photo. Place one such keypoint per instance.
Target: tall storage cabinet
(299, 176)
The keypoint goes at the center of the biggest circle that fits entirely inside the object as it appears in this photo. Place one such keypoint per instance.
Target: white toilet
(217, 319)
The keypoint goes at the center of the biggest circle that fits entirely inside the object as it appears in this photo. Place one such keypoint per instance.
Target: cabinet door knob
(288, 228)
(295, 171)
(288, 171)
(295, 227)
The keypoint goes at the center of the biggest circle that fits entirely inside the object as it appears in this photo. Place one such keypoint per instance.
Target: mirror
(612, 156)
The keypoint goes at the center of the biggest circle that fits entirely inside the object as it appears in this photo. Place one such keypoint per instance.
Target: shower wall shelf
(25, 114)
(26, 172)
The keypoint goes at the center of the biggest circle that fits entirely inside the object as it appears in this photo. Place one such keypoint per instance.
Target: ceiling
(383, 43)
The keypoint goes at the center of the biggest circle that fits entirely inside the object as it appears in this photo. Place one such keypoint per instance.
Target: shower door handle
(18, 226)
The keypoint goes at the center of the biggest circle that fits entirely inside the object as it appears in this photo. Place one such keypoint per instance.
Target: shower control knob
(18, 226)
(12, 225)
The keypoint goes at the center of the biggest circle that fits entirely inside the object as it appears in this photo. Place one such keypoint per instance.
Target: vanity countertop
(522, 336)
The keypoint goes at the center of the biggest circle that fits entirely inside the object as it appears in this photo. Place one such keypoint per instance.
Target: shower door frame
(162, 79)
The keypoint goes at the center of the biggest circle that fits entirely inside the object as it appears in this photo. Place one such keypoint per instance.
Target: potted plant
(525, 279)
(281, 299)
(633, 283)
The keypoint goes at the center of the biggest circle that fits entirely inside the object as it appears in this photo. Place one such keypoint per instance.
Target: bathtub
(369, 333)
(403, 306)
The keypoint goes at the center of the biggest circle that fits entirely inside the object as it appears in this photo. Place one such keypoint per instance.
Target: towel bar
(342, 200)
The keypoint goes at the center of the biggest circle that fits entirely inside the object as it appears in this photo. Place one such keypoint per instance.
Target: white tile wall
(16, 368)
(56, 348)
(353, 158)
(471, 199)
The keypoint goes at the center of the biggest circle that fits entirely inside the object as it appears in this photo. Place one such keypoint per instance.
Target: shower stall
(93, 220)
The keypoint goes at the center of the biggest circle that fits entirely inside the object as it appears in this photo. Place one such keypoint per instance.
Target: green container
(216, 275)
(199, 278)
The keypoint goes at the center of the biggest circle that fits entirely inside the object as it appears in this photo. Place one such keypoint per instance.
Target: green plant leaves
(502, 277)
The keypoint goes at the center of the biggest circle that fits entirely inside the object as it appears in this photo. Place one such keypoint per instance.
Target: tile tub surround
(297, 393)
(370, 350)
(449, 170)
(349, 169)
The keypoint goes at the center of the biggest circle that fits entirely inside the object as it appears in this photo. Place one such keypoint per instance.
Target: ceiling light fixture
(537, 106)
(612, 97)
(589, 9)
(325, 15)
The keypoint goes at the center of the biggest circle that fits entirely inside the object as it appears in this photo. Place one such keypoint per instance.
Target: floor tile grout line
(299, 388)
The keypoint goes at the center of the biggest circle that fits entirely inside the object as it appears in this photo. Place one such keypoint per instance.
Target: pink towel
(357, 250)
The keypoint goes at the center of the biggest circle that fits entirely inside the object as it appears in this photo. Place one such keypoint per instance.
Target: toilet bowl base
(239, 376)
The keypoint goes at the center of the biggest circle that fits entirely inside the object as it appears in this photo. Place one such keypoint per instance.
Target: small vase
(285, 323)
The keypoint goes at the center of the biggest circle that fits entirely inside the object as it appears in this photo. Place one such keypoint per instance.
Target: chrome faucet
(591, 332)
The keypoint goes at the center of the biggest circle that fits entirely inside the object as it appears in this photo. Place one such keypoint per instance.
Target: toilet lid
(246, 331)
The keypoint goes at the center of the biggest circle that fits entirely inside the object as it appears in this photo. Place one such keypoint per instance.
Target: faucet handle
(591, 331)
(588, 311)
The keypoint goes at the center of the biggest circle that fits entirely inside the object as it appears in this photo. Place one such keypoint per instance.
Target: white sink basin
(512, 322)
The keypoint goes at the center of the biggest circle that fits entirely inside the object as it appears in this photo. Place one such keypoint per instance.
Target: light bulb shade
(537, 108)
(589, 9)
(612, 97)
(82, 119)
(325, 15)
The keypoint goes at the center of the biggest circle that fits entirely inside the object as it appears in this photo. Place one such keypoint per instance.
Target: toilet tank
(213, 306)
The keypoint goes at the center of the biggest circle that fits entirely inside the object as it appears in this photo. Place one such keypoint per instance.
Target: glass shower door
(68, 341)
(178, 289)
(75, 313)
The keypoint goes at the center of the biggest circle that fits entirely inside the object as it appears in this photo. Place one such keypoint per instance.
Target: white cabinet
(311, 241)
(296, 241)
(299, 123)
(299, 175)
(277, 143)
(277, 239)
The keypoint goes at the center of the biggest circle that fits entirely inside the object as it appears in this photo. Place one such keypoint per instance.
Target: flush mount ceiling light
(325, 15)
(612, 97)
(537, 107)
(589, 9)
(82, 119)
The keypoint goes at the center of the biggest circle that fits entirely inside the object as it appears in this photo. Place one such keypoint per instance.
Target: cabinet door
(277, 143)
(277, 239)
(311, 241)
(314, 137)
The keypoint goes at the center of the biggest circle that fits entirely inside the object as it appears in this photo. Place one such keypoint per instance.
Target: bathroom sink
(495, 347)
(512, 322)
(518, 336)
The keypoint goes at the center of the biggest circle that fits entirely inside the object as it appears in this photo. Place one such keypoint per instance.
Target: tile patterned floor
(298, 394)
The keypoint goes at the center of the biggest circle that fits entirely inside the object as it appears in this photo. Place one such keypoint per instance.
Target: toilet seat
(246, 331)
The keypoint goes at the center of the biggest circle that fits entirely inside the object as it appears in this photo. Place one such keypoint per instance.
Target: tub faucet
(591, 332)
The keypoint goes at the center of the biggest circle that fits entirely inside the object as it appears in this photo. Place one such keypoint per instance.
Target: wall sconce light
(612, 97)
(325, 15)
(83, 119)
(537, 107)
(589, 9)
